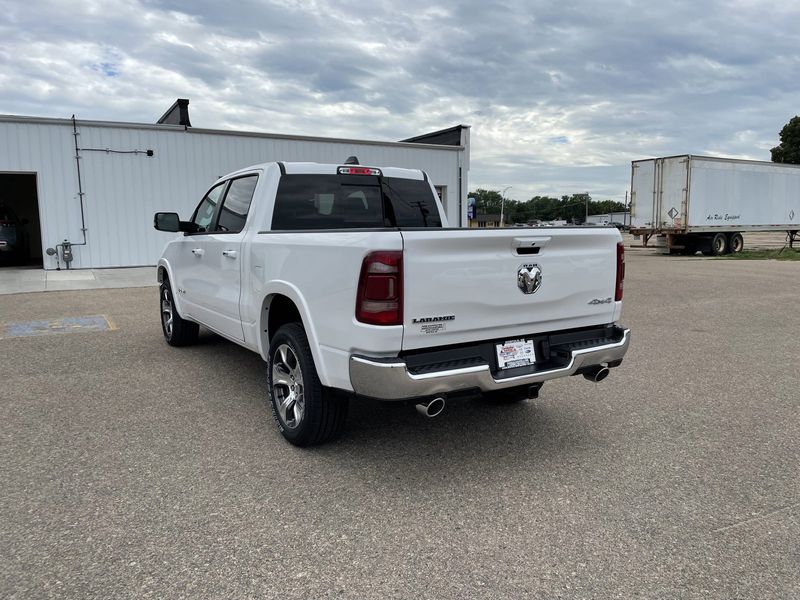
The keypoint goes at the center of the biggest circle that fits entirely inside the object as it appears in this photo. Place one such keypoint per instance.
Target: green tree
(543, 208)
(788, 151)
(603, 207)
(487, 201)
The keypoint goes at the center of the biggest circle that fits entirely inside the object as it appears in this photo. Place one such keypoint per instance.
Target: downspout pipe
(75, 135)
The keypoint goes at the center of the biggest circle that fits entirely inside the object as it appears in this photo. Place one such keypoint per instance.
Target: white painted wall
(122, 191)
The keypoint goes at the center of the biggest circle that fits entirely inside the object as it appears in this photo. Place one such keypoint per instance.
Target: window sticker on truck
(429, 325)
(430, 328)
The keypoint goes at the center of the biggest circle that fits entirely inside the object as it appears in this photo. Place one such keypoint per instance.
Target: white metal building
(112, 190)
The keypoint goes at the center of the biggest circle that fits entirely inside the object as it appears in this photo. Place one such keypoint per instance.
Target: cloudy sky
(561, 96)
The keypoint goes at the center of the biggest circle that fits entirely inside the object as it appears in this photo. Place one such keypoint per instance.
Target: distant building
(485, 220)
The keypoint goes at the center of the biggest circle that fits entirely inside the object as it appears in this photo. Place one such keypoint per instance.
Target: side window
(205, 211)
(237, 202)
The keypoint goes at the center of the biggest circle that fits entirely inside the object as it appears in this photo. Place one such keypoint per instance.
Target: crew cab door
(208, 270)
(191, 267)
(221, 277)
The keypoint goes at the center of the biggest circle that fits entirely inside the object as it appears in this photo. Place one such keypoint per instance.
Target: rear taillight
(620, 271)
(380, 289)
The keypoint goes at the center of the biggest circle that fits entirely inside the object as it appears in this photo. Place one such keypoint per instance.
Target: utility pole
(627, 212)
(503, 204)
(586, 198)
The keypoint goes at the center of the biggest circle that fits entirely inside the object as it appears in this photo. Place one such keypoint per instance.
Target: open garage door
(20, 225)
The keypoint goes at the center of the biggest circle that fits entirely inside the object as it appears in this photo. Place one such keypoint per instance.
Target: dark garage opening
(20, 226)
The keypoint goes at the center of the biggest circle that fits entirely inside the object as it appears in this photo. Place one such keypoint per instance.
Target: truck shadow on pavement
(393, 445)
(380, 435)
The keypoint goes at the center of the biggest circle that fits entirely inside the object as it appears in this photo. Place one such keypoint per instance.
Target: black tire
(719, 244)
(177, 330)
(735, 243)
(307, 413)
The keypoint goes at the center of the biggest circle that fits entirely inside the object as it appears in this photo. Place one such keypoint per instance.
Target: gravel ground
(132, 469)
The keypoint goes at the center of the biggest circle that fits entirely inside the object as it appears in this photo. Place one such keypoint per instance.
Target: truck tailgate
(461, 285)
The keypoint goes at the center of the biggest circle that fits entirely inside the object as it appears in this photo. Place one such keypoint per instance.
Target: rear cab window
(308, 202)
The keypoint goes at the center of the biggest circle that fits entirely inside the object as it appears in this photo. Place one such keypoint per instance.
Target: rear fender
(284, 288)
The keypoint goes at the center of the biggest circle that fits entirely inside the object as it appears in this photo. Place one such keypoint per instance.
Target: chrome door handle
(198, 251)
(229, 253)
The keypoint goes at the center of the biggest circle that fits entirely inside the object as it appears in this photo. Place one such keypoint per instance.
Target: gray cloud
(561, 96)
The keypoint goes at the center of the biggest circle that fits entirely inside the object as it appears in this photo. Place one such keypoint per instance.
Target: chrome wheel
(167, 314)
(287, 386)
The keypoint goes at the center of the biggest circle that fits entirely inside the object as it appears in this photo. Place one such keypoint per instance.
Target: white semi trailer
(701, 203)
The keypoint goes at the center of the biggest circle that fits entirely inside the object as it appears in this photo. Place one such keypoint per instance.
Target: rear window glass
(413, 203)
(352, 201)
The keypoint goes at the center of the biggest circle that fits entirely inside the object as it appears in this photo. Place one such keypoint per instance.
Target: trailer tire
(719, 244)
(735, 242)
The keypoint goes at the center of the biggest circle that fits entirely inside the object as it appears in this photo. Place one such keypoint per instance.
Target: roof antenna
(352, 160)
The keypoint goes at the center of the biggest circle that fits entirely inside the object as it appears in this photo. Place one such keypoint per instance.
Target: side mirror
(164, 221)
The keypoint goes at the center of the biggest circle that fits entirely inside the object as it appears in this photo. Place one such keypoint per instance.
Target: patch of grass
(785, 253)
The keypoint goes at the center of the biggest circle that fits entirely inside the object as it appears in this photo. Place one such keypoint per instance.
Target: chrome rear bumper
(392, 380)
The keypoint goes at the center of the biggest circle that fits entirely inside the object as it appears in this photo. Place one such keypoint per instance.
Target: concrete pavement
(15, 280)
(133, 469)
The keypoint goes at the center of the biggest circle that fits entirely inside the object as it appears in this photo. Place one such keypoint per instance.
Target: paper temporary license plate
(516, 353)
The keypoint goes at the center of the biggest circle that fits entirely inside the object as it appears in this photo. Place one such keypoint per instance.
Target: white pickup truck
(348, 282)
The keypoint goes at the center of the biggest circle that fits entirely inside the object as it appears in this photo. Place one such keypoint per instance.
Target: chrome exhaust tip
(597, 375)
(431, 408)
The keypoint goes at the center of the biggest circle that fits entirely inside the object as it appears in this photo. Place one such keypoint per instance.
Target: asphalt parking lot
(132, 469)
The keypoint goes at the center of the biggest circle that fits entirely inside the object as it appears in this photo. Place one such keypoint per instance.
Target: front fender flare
(163, 267)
